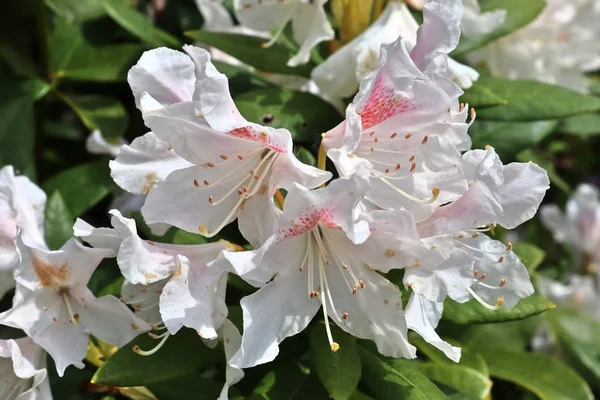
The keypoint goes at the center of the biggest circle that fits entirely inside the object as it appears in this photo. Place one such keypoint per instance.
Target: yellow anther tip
(335, 347)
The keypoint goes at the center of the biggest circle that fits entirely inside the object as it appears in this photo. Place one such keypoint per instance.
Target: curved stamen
(435, 193)
(333, 345)
(73, 317)
(137, 350)
(499, 301)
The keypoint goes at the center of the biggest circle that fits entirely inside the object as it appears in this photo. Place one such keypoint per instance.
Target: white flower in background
(579, 293)
(405, 127)
(340, 74)
(472, 21)
(558, 47)
(232, 341)
(309, 21)
(579, 227)
(477, 267)
(216, 17)
(97, 144)
(176, 279)
(55, 308)
(234, 162)
(23, 374)
(320, 257)
(22, 205)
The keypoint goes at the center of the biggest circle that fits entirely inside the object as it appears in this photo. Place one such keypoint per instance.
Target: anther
(413, 167)
(239, 156)
(211, 199)
(196, 183)
(412, 158)
(387, 170)
(372, 149)
(500, 300)
(482, 277)
(460, 236)
(362, 284)
(502, 282)
(376, 140)
(345, 316)
(475, 273)
(394, 135)
(407, 136)
(424, 140)
(345, 266)
(335, 347)
(476, 234)
(206, 182)
(223, 156)
(397, 167)
(210, 164)
(509, 246)
(354, 289)
(501, 259)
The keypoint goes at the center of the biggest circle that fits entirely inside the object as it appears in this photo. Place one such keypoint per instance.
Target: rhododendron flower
(309, 22)
(558, 47)
(235, 162)
(23, 373)
(56, 309)
(579, 227)
(189, 292)
(473, 22)
(22, 206)
(321, 257)
(476, 266)
(97, 144)
(215, 15)
(341, 73)
(231, 343)
(405, 128)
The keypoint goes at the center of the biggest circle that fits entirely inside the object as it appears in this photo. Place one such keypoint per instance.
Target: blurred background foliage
(63, 69)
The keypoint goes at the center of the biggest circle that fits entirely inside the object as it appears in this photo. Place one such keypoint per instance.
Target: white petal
(475, 23)
(263, 17)
(216, 17)
(462, 74)
(144, 299)
(311, 27)
(258, 218)
(553, 219)
(166, 75)
(144, 163)
(96, 144)
(108, 319)
(192, 298)
(232, 340)
(279, 310)
(287, 169)
(23, 370)
(422, 316)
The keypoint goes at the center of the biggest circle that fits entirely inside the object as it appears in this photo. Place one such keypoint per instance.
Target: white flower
(405, 128)
(22, 205)
(320, 257)
(235, 162)
(472, 21)
(558, 47)
(580, 227)
(97, 144)
(215, 15)
(309, 21)
(340, 74)
(176, 278)
(232, 341)
(56, 309)
(476, 266)
(23, 373)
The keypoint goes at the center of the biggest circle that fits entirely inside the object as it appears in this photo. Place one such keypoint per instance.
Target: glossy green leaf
(17, 129)
(182, 354)
(522, 100)
(188, 387)
(510, 138)
(548, 378)
(338, 371)
(543, 161)
(511, 335)
(242, 80)
(249, 50)
(396, 378)
(584, 125)
(463, 379)
(305, 115)
(138, 24)
(76, 10)
(99, 112)
(58, 222)
(531, 255)
(305, 156)
(518, 14)
(82, 186)
(74, 57)
(289, 381)
(472, 312)
(469, 358)
(579, 339)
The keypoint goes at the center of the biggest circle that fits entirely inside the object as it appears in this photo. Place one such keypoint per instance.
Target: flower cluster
(410, 195)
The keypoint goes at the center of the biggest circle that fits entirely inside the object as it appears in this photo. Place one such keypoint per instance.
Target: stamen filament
(333, 345)
(72, 316)
(435, 193)
(137, 350)
(483, 302)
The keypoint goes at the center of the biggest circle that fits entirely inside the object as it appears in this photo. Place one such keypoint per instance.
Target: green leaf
(511, 335)
(188, 387)
(548, 378)
(472, 312)
(541, 160)
(289, 381)
(584, 125)
(249, 50)
(76, 10)
(396, 379)
(465, 380)
(182, 354)
(338, 371)
(305, 115)
(578, 337)
(518, 13)
(17, 129)
(510, 138)
(305, 156)
(469, 358)
(82, 186)
(58, 223)
(138, 24)
(99, 112)
(531, 255)
(74, 57)
(522, 100)
(242, 80)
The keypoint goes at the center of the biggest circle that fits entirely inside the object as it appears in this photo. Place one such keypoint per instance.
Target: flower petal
(311, 27)
(232, 340)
